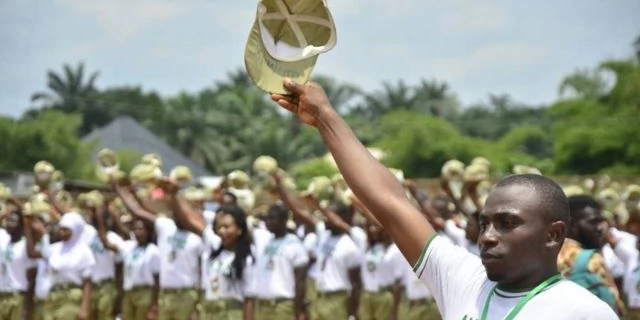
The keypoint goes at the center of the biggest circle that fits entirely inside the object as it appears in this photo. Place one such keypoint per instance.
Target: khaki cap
(181, 174)
(238, 179)
(285, 40)
(453, 170)
(265, 164)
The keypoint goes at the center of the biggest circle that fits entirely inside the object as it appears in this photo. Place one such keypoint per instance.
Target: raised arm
(190, 217)
(116, 214)
(102, 229)
(331, 216)
(369, 180)
(132, 204)
(293, 203)
(425, 207)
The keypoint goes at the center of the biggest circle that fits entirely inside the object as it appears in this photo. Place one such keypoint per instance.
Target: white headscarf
(73, 252)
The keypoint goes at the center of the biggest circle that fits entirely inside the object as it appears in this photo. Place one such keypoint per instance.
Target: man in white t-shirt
(280, 271)
(16, 268)
(522, 228)
(337, 269)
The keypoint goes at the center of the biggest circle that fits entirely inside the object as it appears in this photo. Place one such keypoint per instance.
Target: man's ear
(556, 234)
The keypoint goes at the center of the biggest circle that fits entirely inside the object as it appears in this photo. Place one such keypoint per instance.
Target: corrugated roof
(126, 133)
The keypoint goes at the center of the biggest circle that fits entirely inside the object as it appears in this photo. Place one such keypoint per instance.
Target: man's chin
(494, 275)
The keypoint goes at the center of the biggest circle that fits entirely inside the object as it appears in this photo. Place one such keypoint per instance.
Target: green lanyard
(522, 301)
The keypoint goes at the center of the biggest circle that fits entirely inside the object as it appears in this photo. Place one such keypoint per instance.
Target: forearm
(354, 300)
(375, 186)
(370, 181)
(86, 296)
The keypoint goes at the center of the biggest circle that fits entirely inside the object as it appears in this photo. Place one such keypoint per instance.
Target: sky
(522, 48)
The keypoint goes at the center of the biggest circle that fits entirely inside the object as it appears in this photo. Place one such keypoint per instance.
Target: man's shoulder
(579, 300)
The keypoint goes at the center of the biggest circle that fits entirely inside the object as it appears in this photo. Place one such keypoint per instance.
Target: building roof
(126, 133)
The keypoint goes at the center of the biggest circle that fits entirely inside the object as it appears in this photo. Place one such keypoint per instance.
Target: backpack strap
(581, 264)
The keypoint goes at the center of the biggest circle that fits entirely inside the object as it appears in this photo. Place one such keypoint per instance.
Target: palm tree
(636, 46)
(433, 97)
(391, 97)
(69, 90)
(72, 92)
(583, 84)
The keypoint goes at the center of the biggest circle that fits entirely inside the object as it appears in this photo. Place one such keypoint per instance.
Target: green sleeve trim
(423, 254)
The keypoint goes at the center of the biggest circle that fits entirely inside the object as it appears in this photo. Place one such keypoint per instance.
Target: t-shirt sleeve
(400, 264)
(456, 234)
(45, 246)
(310, 241)
(354, 255)
(154, 259)
(90, 261)
(449, 272)
(164, 226)
(118, 242)
(359, 237)
(320, 228)
(248, 279)
(211, 241)
(600, 311)
(30, 263)
(297, 253)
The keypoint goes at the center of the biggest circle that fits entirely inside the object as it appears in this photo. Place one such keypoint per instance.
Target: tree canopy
(591, 128)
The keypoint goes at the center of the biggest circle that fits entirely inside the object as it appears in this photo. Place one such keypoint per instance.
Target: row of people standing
(218, 265)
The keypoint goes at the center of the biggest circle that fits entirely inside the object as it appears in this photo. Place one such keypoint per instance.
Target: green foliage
(420, 145)
(50, 136)
(600, 132)
(592, 128)
(528, 139)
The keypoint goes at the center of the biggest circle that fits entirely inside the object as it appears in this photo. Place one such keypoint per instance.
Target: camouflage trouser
(103, 299)
(136, 303)
(63, 304)
(38, 310)
(375, 305)
(274, 309)
(423, 309)
(222, 310)
(11, 305)
(332, 306)
(177, 304)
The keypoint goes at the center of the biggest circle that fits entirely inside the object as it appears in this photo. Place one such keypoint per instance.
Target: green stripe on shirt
(423, 255)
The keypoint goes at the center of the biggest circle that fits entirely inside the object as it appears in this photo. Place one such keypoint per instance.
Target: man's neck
(530, 282)
(336, 233)
(15, 238)
(280, 234)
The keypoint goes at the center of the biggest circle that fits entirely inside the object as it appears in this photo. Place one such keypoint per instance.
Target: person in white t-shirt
(69, 264)
(228, 261)
(337, 269)
(180, 252)
(141, 272)
(280, 271)
(418, 303)
(17, 270)
(228, 267)
(522, 227)
(39, 236)
(382, 271)
(103, 291)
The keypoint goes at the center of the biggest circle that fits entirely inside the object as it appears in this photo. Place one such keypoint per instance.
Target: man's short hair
(578, 204)
(552, 201)
(279, 212)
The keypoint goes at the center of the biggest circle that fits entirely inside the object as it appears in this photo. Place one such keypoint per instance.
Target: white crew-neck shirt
(458, 281)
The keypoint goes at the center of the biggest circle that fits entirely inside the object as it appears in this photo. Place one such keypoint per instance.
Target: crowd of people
(148, 246)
